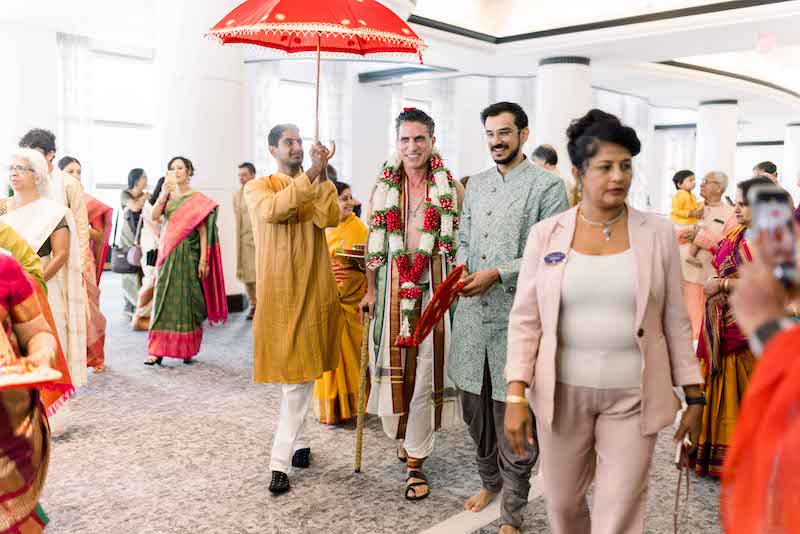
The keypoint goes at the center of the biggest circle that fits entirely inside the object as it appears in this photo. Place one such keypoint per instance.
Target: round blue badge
(555, 257)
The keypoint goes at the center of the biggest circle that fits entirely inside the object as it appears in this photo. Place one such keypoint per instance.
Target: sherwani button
(640, 333)
(483, 256)
(486, 235)
(494, 190)
(489, 212)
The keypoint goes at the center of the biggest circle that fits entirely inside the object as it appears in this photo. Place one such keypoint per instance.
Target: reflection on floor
(184, 449)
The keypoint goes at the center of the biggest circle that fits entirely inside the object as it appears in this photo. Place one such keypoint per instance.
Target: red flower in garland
(419, 267)
(402, 268)
(378, 220)
(446, 203)
(436, 163)
(445, 247)
(413, 294)
(431, 219)
(393, 220)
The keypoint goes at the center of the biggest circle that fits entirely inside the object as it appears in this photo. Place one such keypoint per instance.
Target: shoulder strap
(137, 237)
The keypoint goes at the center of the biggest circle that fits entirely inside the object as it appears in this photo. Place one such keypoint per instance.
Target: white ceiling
(780, 65)
(502, 18)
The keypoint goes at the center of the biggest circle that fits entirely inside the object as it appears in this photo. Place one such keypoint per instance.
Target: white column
(790, 174)
(368, 127)
(202, 101)
(467, 153)
(717, 131)
(563, 93)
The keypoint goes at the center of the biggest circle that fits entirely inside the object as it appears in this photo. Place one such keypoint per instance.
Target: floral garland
(440, 228)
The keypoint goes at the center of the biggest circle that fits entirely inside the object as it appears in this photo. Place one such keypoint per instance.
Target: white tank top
(597, 344)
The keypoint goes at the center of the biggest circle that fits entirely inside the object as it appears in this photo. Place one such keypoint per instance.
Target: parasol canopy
(337, 28)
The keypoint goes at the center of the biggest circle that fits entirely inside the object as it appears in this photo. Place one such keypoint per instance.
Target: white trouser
(419, 428)
(289, 437)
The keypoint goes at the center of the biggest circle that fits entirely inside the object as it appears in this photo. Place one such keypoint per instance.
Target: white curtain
(74, 125)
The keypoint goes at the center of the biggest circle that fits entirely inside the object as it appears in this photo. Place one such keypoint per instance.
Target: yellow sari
(336, 393)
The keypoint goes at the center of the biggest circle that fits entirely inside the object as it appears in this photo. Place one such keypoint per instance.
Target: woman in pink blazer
(599, 335)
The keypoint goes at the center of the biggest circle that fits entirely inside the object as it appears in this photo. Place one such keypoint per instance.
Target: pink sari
(99, 219)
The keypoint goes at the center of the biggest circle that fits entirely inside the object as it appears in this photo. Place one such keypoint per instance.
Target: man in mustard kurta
(298, 322)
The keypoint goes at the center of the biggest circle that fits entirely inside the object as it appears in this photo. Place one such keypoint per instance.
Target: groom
(413, 216)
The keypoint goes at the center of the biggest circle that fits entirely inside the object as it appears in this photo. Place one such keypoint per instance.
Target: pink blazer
(662, 323)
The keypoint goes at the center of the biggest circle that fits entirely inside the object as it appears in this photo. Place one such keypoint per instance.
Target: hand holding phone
(772, 225)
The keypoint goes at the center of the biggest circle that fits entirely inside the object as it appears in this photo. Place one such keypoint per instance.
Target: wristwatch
(764, 333)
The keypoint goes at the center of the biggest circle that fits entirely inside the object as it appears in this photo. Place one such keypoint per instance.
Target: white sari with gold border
(35, 222)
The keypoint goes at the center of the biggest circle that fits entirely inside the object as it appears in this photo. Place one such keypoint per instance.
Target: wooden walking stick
(362, 389)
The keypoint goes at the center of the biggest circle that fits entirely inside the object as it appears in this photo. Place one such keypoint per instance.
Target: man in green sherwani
(501, 206)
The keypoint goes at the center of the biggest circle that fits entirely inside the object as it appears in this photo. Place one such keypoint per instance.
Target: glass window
(123, 89)
(116, 149)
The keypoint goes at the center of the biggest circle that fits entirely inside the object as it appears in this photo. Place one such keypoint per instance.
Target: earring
(580, 187)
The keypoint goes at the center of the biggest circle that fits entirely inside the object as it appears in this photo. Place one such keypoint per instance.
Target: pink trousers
(596, 435)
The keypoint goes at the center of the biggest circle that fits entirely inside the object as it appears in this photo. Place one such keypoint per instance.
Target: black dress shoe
(280, 483)
(302, 458)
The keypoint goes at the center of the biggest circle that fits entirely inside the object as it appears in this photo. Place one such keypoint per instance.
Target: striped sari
(24, 433)
(182, 301)
(726, 360)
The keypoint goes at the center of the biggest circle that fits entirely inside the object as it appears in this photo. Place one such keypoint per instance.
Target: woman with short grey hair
(49, 228)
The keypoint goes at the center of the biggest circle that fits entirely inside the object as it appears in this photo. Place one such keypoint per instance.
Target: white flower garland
(440, 228)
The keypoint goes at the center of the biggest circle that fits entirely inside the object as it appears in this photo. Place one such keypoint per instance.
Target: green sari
(182, 301)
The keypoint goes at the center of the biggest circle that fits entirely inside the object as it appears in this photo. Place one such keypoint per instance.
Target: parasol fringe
(318, 28)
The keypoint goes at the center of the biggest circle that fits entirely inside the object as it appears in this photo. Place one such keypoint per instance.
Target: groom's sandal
(411, 495)
(302, 458)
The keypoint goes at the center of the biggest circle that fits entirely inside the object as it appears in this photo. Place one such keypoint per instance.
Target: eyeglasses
(709, 182)
(18, 169)
(502, 135)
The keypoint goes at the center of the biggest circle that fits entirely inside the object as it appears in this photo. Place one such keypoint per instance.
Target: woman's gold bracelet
(516, 399)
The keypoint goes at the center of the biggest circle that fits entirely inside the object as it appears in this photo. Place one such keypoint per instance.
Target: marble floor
(184, 449)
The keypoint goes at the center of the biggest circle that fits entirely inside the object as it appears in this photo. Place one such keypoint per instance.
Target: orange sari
(761, 480)
(336, 392)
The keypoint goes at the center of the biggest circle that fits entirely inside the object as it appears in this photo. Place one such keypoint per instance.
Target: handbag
(134, 255)
(119, 255)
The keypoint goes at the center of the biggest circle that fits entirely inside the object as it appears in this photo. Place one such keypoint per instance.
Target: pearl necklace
(606, 225)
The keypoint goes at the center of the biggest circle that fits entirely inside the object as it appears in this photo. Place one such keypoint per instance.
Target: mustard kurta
(298, 322)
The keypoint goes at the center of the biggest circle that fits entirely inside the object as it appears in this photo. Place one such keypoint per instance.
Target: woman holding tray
(336, 392)
(24, 433)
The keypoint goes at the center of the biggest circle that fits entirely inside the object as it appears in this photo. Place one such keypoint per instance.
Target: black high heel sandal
(153, 361)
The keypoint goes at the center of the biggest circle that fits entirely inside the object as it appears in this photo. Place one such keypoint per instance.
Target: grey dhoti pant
(499, 466)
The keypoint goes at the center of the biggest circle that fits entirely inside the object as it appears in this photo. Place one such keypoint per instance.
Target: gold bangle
(516, 399)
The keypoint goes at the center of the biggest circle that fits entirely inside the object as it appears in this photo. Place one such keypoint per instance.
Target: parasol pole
(316, 113)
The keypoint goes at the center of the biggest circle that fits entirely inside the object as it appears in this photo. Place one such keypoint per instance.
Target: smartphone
(170, 177)
(772, 223)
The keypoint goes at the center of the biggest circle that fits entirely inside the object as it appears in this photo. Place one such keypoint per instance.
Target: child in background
(686, 210)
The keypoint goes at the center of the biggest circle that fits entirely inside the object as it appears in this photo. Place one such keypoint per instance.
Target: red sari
(100, 218)
(24, 433)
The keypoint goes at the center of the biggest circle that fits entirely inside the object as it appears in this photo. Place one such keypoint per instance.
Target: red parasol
(335, 28)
